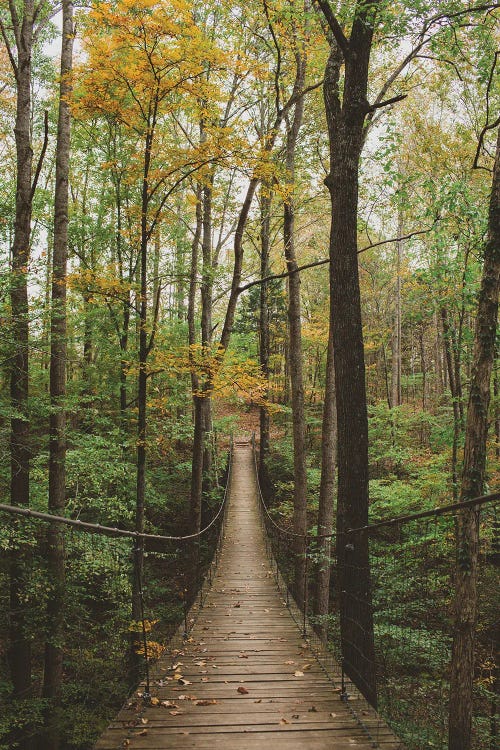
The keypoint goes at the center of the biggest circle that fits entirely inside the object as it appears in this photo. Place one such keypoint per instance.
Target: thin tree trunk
(465, 601)
(396, 337)
(457, 421)
(197, 457)
(295, 343)
(53, 669)
(326, 495)
(265, 231)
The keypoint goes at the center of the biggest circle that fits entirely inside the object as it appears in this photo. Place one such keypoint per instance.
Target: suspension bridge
(247, 675)
(246, 667)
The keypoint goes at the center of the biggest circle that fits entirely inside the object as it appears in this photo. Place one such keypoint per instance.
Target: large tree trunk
(53, 671)
(476, 432)
(20, 647)
(346, 134)
(326, 495)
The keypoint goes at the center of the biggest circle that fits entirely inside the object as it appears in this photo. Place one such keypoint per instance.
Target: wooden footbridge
(245, 678)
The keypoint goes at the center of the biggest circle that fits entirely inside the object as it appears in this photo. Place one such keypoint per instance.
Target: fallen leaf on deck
(284, 721)
(306, 667)
(290, 661)
(205, 679)
(295, 716)
(182, 681)
(242, 690)
(169, 704)
(176, 713)
(206, 703)
(142, 733)
(333, 716)
(237, 605)
(298, 673)
(188, 698)
(258, 701)
(154, 701)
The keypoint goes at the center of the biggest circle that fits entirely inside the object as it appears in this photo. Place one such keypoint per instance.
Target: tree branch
(323, 262)
(494, 124)
(42, 153)
(334, 25)
(8, 48)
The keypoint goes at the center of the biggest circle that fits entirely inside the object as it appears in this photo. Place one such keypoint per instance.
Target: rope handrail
(440, 511)
(112, 531)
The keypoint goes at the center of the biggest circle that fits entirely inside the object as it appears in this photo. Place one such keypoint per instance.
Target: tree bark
(295, 342)
(264, 338)
(345, 120)
(20, 646)
(326, 495)
(53, 669)
(476, 432)
(396, 336)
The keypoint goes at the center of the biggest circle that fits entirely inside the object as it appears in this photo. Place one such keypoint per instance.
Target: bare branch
(323, 262)
(8, 48)
(42, 153)
(488, 126)
(334, 25)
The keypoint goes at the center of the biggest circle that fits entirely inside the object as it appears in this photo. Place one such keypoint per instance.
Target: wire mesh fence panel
(106, 652)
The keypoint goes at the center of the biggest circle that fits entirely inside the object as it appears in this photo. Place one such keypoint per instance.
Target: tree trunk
(265, 239)
(20, 647)
(295, 344)
(476, 432)
(345, 122)
(197, 457)
(326, 496)
(396, 336)
(53, 670)
(457, 421)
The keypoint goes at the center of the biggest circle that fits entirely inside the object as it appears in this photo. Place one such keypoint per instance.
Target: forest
(277, 218)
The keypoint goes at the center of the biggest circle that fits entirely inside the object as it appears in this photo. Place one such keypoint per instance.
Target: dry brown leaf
(284, 721)
(242, 690)
(154, 701)
(169, 704)
(183, 681)
(142, 733)
(298, 673)
(290, 661)
(205, 703)
(306, 667)
(188, 698)
(258, 701)
(205, 679)
(243, 656)
(295, 716)
(176, 713)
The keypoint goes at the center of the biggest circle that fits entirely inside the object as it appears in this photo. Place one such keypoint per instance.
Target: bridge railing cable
(106, 655)
(413, 559)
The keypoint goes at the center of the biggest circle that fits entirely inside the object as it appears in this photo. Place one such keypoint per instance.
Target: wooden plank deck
(250, 678)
